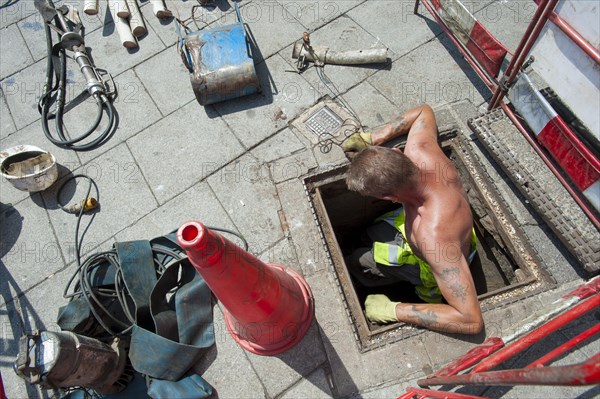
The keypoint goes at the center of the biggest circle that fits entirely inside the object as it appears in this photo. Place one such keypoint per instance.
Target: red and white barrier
(484, 47)
(551, 131)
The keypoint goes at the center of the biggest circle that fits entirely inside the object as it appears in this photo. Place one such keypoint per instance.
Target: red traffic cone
(268, 307)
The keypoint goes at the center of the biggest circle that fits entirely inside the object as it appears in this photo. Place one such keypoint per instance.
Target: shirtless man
(436, 240)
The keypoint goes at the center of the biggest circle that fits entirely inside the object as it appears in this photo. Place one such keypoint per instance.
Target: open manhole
(506, 268)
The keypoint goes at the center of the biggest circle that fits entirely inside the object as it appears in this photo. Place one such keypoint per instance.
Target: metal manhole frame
(513, 237)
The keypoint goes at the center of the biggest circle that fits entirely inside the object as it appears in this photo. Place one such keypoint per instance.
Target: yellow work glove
(380, 309)
(357, 142)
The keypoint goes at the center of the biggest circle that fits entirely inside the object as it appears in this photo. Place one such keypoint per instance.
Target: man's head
(381, 172)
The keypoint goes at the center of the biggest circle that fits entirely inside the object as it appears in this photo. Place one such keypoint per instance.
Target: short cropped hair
(379, 172)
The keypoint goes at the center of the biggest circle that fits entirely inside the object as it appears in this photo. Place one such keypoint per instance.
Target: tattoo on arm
(425, 318)
(450, 276)
(399, 124)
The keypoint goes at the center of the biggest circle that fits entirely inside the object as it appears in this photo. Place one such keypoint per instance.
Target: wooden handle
(90, 7)
(122, 27)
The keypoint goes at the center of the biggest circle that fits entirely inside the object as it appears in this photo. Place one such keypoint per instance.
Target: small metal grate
(324, 121)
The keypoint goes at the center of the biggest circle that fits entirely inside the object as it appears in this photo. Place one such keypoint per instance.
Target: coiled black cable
(96, 297)
(55, 92)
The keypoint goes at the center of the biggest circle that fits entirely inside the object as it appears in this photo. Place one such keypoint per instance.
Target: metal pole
(517, 61)
(428, 393)
(491, 85)
(536, 335)
(585, 373)
(553, 354)
(575, 36)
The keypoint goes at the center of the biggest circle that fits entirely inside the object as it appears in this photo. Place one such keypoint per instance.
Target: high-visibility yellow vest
(399, 255)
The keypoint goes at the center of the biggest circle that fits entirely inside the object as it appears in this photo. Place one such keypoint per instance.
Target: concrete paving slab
(371, 107)
(109, 53)
(124, 198)
(293, 167)
(167, 80)
(32, 28)
(313, 15)
(282, 252)
(342, 34)
(67, 160)
(30, 252)
(416, 79)
(282, 371)
(7, 125)
(15, 12)
(196, 203)
(135, 110)
(165, 29)
(22, 91)
(250, 198)
(173, 154)
(285, 156)
(266, 17)
(170, 170)
(284, 96)
(314, 385)
(277, 147)
(38, 309)
(226, 366)
(389, 390)
(20, 56)
(302, 228)
(395, 24)
(351, 370)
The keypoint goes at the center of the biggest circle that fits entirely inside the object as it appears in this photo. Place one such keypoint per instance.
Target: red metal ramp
(476, 366)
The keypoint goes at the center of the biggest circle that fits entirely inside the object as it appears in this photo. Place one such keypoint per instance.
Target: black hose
(97, 298)
(55, 92)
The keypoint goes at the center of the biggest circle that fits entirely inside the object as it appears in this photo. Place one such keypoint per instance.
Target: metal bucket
(220, 63)
(28, 167)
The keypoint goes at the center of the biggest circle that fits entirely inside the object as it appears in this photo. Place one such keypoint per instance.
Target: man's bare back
(438, 226)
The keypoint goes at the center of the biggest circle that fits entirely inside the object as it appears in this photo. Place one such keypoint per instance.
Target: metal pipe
(519, 50)
(519, 59)
(490, 84)
(428, 393)
(576, 195)
(324, 55)
(585, 373)
(575, 36)
(570, 344)
(536, 335)
(472, 357)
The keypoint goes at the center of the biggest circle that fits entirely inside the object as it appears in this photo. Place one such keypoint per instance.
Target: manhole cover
(505, 270)
(326, 123)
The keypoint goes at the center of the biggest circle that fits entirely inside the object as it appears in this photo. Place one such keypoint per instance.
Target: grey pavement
(240, 165)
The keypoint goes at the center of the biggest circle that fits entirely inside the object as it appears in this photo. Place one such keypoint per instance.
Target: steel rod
(570, 344)
(536, 335)
(519, 59)
(489, 83)
(568, 30)
(428, 393)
